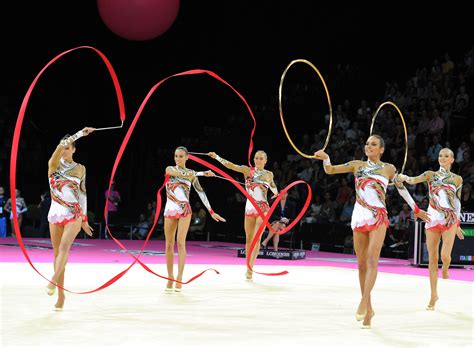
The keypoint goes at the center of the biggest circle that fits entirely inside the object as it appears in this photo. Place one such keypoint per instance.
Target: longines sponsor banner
(276, 254)
(283, 254)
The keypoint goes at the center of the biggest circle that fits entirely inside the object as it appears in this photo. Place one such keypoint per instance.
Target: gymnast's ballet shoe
(360, 317)
(248, 277)
(178, 287)
(50, 291)
(169, 286)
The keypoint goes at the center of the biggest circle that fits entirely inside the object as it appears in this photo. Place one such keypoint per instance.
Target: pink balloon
(138, 19)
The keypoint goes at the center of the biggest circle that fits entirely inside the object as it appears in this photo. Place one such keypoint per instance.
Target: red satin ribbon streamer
(256, 238)
(265, 217)
(136, 258)
(124, 144)
(14, 153)
(158, 210)
(16, 140)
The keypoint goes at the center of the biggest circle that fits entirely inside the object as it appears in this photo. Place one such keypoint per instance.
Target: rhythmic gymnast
(178, 212)
(258, 181)
(68, 211)
(369, 218)
(445, 210)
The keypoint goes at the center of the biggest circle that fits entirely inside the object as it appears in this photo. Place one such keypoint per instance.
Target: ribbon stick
(107, 128)
(238, 182)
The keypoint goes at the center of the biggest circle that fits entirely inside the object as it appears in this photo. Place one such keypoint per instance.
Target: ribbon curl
(16, 141)
(14, 155)
(125, 143)
(206, 164)
(265, 217)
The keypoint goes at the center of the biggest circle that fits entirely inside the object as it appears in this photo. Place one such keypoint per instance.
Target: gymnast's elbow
(328, 170)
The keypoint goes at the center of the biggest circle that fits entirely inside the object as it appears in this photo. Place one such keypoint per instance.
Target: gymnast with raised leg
(258, 181)
(369, 218)
(68, 211)
(177, 213)
(445, 210)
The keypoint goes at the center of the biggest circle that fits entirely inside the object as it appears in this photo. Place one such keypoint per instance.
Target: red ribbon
(16, 140)
(13, 164)
(136, 258)
(124, 144)
(265, 217)
(158, 208)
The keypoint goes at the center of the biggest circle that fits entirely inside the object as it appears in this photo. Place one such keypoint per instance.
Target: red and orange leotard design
(369, 210)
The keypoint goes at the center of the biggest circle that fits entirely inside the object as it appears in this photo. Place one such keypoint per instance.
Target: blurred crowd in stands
(436, 102)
